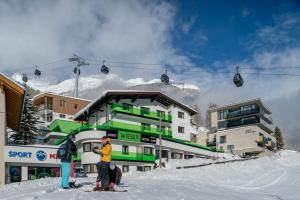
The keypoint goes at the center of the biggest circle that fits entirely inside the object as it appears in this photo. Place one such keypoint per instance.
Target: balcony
(135, 128)
(139, 112)
(240, 122)
(118, 155)
(44, 107)
(241, 113)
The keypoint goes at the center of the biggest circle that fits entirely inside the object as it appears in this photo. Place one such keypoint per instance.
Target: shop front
(30, 162)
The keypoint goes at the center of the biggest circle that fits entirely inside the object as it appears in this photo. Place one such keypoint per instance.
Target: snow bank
(267, 178)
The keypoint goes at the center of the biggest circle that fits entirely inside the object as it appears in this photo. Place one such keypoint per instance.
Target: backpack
(61, 151)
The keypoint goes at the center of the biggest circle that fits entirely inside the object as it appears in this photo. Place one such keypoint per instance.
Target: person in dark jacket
(115, 175)
(66, 161)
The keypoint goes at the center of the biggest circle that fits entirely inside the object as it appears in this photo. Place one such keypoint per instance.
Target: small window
(176, 155)
(94, 168)
(222, 139)
(62, 116)
(62, 103)
(125, 149)
(230, 147)
(125, 168)
(87, 147)
(180, 115)
(139, 168)
(87, 168)
(148, 150)
(75, 106)
(147, 168)
(96, 144)
(180, 129)
(145, 111)
(221, 124)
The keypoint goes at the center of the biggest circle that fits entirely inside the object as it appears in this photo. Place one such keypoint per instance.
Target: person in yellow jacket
(103, 166)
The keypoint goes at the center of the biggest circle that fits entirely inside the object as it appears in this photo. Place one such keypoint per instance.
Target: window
(96, 144)
(86, 147)
(127, 106)
(180, 129)
(125, 149)
(222, 139)
(180, 115)
(222, 114)
(145, 111)
(230, 147)
(147, 168)
(148, 150)
(221, 124)
(176, 155)
(145, 126)
(221, 148)
(94, 168)
(87, 168)
(62, 103)
(160, 113)
(75, 106)
(125, 168)
(62, 116)
(139, 168)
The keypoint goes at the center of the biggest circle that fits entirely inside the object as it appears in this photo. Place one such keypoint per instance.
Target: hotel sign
(129, 136)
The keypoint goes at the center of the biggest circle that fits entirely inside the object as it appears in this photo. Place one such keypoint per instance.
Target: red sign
(53, 156)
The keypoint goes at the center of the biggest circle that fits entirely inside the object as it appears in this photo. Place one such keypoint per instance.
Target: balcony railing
(45, 107)
(118, 155)
(140, 112)
(135, 128)
(234, 123)
(240, 113)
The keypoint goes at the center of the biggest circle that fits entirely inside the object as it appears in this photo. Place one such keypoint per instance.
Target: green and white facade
(132, 120)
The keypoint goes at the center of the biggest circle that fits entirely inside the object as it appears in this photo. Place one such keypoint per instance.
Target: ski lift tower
(80, 62)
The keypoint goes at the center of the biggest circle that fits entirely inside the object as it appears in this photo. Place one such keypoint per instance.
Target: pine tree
(208, 115)
(279, 139)
(197, 119)
(28, 130)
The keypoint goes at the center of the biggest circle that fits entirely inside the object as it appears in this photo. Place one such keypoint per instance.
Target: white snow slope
(267, 178)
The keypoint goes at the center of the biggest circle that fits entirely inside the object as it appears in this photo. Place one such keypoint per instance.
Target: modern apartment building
(243, 127)
(53, 106)
(132, 120)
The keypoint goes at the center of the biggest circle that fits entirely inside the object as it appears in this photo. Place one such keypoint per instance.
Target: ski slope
(267, 178)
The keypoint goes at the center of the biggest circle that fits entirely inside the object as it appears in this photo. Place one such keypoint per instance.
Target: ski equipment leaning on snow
(70, 149)
(105, 159)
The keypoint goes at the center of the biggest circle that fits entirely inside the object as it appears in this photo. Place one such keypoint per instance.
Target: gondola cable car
(238, 79)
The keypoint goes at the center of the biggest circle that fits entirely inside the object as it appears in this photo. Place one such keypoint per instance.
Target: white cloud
(34, 32)
(186, 26)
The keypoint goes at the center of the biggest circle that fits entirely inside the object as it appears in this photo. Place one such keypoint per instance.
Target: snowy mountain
(90, 87)
(267, 178)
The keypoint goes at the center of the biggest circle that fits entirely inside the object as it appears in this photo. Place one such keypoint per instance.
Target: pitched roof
(14, 97)
(64, 126)
(127, 94)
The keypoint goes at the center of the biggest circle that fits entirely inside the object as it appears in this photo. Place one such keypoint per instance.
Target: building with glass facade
(243, 128)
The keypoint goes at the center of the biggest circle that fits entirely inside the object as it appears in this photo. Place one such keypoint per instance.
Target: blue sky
(224, 30)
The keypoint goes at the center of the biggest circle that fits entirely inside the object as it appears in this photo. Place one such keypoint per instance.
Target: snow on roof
(52, 93)
(106, 92)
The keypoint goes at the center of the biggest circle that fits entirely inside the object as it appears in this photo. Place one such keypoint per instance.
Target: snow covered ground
(267, 178)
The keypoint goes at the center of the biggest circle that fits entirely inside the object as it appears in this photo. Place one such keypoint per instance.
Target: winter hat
(112, 166)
